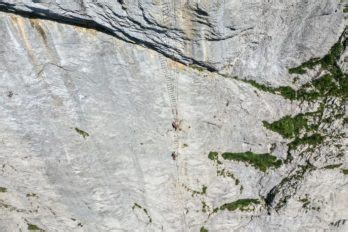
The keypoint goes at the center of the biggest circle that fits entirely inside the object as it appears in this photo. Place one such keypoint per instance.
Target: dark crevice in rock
(91, 24)
(48, 15)
(201, 12)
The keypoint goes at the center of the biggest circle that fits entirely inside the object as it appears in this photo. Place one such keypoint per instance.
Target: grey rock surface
(252, 39)
(98, 133)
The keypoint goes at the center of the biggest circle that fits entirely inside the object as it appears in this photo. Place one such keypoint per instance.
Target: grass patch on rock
(214, 156)
(197, 67)
(195, 192)
(312, 140)
(327, 94)
(334, 83)
(332, 166)
(259, 161)
(84, 134)
(241, 204)
(32, 227)
(288, 126)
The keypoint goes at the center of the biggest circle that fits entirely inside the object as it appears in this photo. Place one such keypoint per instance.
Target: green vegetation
(313, 140)
(288, 126)
(286, 91)
(305, 202)
(287, 187)
(194, 192)
(338, 223)
(259, 161)
(332, 84)
(204, 189)
(326, 62)
(6, 206)
(345, 120)
(214, 156)
(226, 173)
(308, 131)
(197, 67)
(333, 166)
(310, 128)
(301, 128)
(136, 206)
(306, 65)
(241, 204)
(221, 172)
(84, 134)
(203, 229)
(205, 207)
(345, 10)
(3, 190)
(259, 86)
(335, 83)
(34, 227)
(31, 195)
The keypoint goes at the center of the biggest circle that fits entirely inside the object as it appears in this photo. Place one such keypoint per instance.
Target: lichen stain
(176, 65)
(20, 25)
(36, 24)
(86, 31)
(21, 28)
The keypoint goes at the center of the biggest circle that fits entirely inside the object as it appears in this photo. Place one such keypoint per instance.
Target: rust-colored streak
(20, 25)
(36, 24)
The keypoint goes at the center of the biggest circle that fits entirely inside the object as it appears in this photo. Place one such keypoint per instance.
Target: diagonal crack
(46, 14)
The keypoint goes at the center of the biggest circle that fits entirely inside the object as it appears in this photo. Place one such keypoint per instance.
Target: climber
(174, 155)
(175, 125)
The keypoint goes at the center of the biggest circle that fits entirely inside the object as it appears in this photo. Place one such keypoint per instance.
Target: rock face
(255, 39)
(105, 126)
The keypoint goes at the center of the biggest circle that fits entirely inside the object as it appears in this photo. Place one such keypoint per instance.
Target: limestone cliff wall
(168, 116)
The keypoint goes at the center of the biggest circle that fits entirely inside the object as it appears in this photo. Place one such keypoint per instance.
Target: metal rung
(170, 87)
